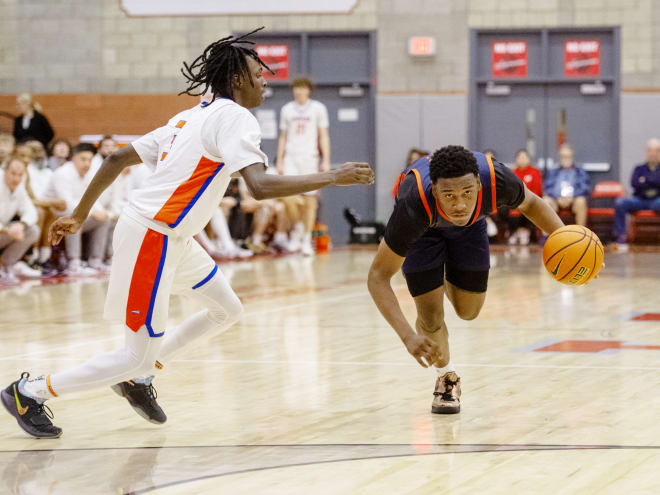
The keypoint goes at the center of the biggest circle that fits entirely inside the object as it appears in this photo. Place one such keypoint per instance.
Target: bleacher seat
(644, 227)
(601, 212)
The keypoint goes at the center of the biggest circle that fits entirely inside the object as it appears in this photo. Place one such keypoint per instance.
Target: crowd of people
(42, 178)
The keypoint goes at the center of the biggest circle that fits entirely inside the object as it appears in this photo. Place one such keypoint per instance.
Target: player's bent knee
(228, 313)
(467, 312)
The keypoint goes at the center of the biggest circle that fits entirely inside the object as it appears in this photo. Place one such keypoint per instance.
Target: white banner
(235, 7)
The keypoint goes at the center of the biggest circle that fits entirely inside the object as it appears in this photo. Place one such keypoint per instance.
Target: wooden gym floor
(313, 393)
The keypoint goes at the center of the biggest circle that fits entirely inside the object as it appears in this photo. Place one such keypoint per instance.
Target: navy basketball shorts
(460, 254)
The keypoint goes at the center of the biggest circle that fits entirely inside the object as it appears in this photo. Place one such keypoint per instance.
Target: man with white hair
(645, 182)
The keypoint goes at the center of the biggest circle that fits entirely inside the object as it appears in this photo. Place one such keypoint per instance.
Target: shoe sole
(10, 406)
(117, 389)
(445, 410)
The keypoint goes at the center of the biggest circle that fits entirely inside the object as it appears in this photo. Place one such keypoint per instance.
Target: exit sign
(420, 46)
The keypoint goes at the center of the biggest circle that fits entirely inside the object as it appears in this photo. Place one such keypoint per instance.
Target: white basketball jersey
(193, 158)
(302, 125)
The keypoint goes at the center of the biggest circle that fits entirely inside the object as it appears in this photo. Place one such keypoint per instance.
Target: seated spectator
(520, 228)
(60, 153)
(16, 237)
(645, 182)
(568, 186)
(116, 197)
(31, 123)
(107, 146)
(414, 154)
(264, 213)
(7, 145)
(69, 183)
(37, 183)
(39, 155)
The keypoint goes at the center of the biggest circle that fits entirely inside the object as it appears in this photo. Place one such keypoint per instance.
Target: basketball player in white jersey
(193, 157)
(303, 132)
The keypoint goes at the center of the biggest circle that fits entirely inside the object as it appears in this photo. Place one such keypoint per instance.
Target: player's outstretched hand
(61, 227)
(423, 349)
(352, 173)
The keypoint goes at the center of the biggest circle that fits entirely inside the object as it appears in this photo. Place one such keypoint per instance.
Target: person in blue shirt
(645, 182)
(568, 186)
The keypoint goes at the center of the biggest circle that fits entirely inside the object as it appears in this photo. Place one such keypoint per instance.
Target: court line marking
(384, 363)
(506, 446)
(377, 457)
(246, 314)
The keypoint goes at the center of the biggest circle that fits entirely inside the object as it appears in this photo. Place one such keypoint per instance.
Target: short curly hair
(451, 162)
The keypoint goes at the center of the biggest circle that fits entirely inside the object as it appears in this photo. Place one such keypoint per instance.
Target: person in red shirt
(520, 228)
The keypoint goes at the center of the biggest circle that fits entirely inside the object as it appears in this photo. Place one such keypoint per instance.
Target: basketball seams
(591, 238)
(571, 248)
(584, 234)
(593, 268)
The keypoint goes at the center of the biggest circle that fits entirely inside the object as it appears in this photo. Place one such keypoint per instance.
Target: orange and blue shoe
(33, 416)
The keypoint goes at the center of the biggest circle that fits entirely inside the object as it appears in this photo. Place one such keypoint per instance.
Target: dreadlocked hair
(216, 67)
(451, 162)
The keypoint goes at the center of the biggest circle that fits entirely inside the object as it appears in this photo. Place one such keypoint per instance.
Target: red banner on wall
(277, 58)
(582, 58)
(509, 59)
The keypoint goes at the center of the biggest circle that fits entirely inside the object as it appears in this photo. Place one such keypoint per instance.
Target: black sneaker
(142, 398)
(30, 415)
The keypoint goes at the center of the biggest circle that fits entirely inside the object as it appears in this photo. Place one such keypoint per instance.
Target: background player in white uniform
(303, 132)
(193, 158)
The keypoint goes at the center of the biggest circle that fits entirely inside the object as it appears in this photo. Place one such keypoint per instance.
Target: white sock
(144, 381)
(44, 254)
(36, 389)
(308, 238)
(299, 229)
(33, 257)
(257, 238)
(444, 370)
(281, 237)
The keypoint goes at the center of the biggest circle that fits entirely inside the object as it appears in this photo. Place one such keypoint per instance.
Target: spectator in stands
(415, 154)
(37, 182)
(303, 132)
(107, 146)
(568, 186)
(39, 156)
(60, 153)
(31, 123)
(16, 237)
(116, 197)
(520, 228)
(69, 183)
(645, 182)
(7, 145)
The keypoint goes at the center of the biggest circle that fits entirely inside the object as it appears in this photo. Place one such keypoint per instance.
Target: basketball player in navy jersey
(437, 236)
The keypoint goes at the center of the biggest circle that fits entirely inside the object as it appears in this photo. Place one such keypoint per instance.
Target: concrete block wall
(82, 46)
(92, 46)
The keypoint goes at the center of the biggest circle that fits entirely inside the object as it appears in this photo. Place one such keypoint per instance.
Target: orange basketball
(573, 255)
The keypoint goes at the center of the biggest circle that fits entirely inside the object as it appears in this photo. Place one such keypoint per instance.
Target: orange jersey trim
(185, 196)
(50, 389)
(422, 195)
(180, 123)
(144, 281)
(397, 184)
(477, 210)
(493, 189)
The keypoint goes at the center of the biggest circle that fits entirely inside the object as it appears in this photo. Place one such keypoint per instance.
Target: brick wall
(82, 46)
